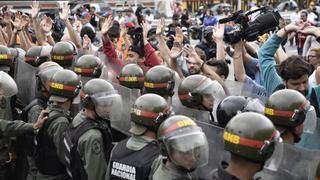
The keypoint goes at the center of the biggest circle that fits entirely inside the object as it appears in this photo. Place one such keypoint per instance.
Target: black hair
(88, 31)
(293, 68)
(222, 67)
(114, 31)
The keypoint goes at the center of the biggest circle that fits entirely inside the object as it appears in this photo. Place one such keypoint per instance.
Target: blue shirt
(253, 71)
(210, 21)
(272, 80)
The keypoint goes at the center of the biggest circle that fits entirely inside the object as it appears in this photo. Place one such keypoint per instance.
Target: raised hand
(46, 24)
(65, 11)
(41, 119)
(179, 35)
(191, 53)
(160, 26)
(310, 30)
(145, 30)
(25, 21)
(176, 50)
(295, 26)
(107, 25)
(86, 42)
(219, 33)
(17, 21)
(7, 17)
(35, 9)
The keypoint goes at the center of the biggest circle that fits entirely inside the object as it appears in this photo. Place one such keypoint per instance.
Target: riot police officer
(15, 128)
(207, 43)
(250, 138)
(11, 156)
(31, 112)
(88, 67)
(183, 148)
(6, 60)
(64, 53)
(159, 80)
(63, 87)
(131, 76)
(139, 151)
(36, 55)
(232, 105)
(88, 141)
(200, 92)
(287, 109)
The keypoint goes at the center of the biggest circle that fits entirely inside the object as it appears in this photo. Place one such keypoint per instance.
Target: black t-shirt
(93, 21)
(184, 19)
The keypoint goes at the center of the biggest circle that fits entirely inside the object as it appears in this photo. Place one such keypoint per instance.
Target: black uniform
(125, 162)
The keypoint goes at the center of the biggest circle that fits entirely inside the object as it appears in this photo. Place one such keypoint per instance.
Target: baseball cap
(85, 15)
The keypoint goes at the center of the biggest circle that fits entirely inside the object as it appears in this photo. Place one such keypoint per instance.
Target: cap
(129, 24)
(85, 15)
(57, 98)
(137, 129)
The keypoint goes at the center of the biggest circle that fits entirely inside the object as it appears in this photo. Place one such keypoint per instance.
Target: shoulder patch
(96, 147)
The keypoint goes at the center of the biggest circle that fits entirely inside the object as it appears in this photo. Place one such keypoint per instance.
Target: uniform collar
(223, 173)
(137, 143)
(54, 107)
(174, 173)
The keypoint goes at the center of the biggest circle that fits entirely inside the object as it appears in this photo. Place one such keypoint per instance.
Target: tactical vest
(132, 165)
(30, 138)
(313, 100)
(46, 157)
(75, 167)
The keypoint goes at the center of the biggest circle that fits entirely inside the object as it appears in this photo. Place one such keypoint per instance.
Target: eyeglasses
(310, 56)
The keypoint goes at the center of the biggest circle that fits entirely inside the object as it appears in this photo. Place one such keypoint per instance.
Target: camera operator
(207, 43)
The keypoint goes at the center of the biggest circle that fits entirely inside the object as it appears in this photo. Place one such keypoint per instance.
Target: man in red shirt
(145, 59)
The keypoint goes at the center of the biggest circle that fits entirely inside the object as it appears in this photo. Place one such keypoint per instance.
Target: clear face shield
(189, 150)
(310, 122)
(274, 162)
(8, 87)
(212, 91)
(254, 105)
(108, 105)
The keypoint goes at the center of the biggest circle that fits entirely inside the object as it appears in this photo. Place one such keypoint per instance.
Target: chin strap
(296, 138)
(202, 107)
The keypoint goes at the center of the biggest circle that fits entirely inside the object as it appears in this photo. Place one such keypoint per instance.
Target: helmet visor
(254, 105)
(211, 88)
(275, 161)
(188, 150)
(8, 86)
(108, 105)
(310, 123)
